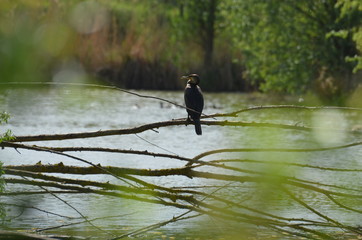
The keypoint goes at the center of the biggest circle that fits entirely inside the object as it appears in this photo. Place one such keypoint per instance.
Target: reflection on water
(64, 110)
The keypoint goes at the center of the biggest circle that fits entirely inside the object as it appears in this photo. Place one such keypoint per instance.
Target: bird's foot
(188, 120)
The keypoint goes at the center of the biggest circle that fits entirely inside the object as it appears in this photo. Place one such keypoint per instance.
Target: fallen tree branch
(14, 145)
(156, 125)
(28, 236)
(173, 197)
(227, 205)
(61, 168)
(98, 149)
(69, 184)
(197, 174)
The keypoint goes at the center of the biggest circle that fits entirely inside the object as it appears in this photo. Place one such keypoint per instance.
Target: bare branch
(150, 126)
(274, 107)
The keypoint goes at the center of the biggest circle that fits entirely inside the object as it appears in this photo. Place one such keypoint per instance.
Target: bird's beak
(185, 78)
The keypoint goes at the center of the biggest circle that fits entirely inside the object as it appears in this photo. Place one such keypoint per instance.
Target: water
(56, 110)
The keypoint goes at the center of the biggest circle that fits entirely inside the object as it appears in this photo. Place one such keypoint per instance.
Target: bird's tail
(197, 126)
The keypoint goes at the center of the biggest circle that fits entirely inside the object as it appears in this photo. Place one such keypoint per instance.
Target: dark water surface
(55, 110)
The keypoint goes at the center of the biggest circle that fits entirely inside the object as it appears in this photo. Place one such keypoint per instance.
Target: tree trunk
(209, 33)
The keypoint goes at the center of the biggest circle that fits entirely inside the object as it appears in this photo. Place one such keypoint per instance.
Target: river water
(55, 110)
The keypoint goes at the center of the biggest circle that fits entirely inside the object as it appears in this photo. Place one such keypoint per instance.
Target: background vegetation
(7, 136)
(277, 46)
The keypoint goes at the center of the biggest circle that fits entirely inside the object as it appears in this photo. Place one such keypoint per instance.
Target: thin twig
(204, 154)
(273, 107)
(105, 87)
(80, 222)
(71, 206)
(287, 164)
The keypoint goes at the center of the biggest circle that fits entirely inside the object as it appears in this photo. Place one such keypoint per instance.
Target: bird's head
(192, 79)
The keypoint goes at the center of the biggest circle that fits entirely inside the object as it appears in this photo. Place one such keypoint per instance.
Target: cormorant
(194, 100)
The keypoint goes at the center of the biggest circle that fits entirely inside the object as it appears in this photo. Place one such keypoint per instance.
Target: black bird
(194, 100)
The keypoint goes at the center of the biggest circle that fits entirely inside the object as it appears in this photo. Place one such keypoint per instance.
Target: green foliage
(2, 188)
(348, 8)
(198, 23)
(276, 45)
(33, 39)
(4, 117)
(287, 44)
(7, 136)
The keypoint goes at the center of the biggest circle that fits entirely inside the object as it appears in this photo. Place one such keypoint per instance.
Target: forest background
(278, 46)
